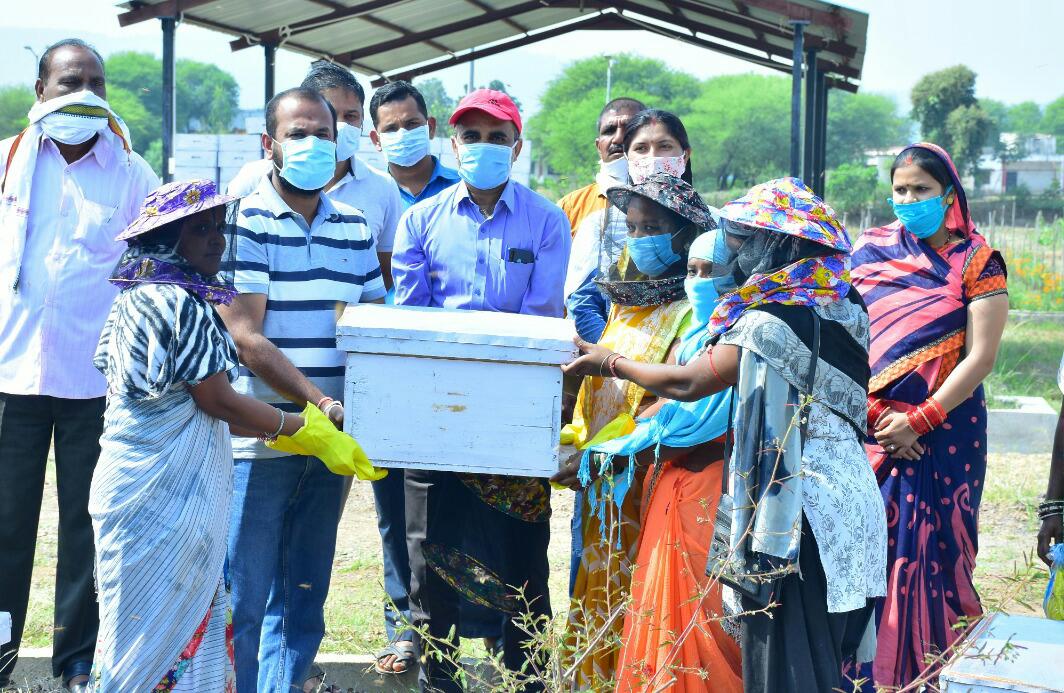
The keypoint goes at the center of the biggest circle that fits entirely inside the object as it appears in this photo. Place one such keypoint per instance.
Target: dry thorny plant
(559, 645)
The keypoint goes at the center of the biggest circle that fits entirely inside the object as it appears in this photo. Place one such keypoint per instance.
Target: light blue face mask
(922, 219)
(702, 293)
(653, 255)
(484, 166)
(308, 163)
(405, 147)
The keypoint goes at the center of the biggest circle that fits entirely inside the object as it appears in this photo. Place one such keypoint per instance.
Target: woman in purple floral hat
(160, 493)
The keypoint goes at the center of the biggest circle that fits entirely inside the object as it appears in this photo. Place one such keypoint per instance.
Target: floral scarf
(160, 264)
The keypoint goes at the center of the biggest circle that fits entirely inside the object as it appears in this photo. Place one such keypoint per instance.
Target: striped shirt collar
(271, 201)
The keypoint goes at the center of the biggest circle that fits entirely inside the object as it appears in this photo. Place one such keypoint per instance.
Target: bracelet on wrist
(324, 402)
(611, 363)
(332, 405)
(926, 417)
(1048, 508)
(270, 437)
(876, 409)
(601, 372)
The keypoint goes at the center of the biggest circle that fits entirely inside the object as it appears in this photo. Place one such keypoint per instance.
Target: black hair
(672, 124)
(925, 159)
(328, 75)
(44, 64)
(399, 90)
(166, 235)
(621, 103)
(935, 167)
(300, 93)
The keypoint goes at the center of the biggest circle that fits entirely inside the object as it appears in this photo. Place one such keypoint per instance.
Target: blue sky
(1014, 47)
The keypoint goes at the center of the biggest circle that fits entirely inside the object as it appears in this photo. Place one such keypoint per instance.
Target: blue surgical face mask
(922, 219)
(703, 295)
(652, 255)
(405, 147)
(308, 163)
(485, 166)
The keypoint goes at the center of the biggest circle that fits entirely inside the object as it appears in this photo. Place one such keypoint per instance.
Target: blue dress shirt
(442, 178)
(448, 255)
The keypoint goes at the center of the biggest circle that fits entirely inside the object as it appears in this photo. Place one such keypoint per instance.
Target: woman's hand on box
(592, 360)
(566, 477)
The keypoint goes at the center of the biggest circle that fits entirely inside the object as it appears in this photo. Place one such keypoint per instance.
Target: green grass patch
(1027, 362)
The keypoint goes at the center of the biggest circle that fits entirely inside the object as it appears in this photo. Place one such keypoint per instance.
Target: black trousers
(28, 425)
(438, 507)
(801, 647)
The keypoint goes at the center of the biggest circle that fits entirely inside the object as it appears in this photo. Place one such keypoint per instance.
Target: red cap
(495, 103)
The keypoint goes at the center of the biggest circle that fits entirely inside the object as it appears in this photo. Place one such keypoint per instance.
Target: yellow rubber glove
(622, 425)
(319, 438)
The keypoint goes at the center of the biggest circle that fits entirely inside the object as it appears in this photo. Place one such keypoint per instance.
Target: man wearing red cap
(488, 243)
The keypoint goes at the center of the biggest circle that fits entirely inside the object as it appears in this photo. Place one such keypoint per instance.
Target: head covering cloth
(795, 252)
(150, 261)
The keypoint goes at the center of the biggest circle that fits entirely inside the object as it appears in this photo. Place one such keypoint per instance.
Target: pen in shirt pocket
(521, 256)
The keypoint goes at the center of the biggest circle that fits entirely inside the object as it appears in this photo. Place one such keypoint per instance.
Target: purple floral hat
(174, 201)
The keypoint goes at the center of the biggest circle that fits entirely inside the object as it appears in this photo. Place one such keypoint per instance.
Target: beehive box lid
(460, 334)
(1010, 653)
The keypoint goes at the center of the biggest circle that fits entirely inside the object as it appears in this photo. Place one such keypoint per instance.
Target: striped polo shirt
(308, 274)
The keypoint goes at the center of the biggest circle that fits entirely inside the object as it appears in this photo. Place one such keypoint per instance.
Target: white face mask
(348, 138)
(71, 128)
(643, 167)
(616, 169)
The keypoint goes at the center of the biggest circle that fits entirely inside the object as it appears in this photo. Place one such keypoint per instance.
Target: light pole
(610, 62)
(36, 59)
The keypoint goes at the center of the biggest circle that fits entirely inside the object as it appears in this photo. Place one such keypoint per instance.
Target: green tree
(938, 94)
(143, 126)
(851, 187)
(999, 115)
(15, 103)
(564, 128)
(740, 130)
(438, 102)
(859, 122)
(140, 74)
(499, 85)
(1053, 121)
(1025, 118)
(207, 96)
(966, 132)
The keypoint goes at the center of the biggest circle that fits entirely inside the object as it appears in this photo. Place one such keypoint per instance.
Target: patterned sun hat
(787, 205)
(174, 201)
(670, 192)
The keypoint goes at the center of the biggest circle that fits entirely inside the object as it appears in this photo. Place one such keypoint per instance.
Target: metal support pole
(809, 148)
(472, 86)
(609, 77)
(796, 97)
(169, 26)
(269, 52)
(821, 135)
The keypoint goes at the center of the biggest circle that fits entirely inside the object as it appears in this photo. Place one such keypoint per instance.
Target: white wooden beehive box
(1009, 652)
(455, 390)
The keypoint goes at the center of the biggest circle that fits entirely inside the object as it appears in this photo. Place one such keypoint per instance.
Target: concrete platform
(1027, 429)
(353, 673)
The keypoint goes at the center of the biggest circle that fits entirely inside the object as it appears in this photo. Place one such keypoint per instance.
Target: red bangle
(926, 417)
(713, 367)
(876, 409)
(612, 364)
(323, 401)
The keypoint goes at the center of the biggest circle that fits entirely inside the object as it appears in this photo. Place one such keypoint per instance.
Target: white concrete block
(1009, 652)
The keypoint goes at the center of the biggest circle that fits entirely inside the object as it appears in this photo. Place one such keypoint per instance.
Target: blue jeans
(390, 499)
(282, 538)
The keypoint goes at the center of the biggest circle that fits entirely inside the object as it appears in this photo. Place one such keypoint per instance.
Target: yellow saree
(641, 333)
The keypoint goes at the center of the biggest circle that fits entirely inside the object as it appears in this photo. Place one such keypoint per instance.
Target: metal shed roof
(401, 39)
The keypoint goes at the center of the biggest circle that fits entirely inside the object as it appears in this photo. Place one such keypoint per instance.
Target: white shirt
(50, 324)
(374, 193)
